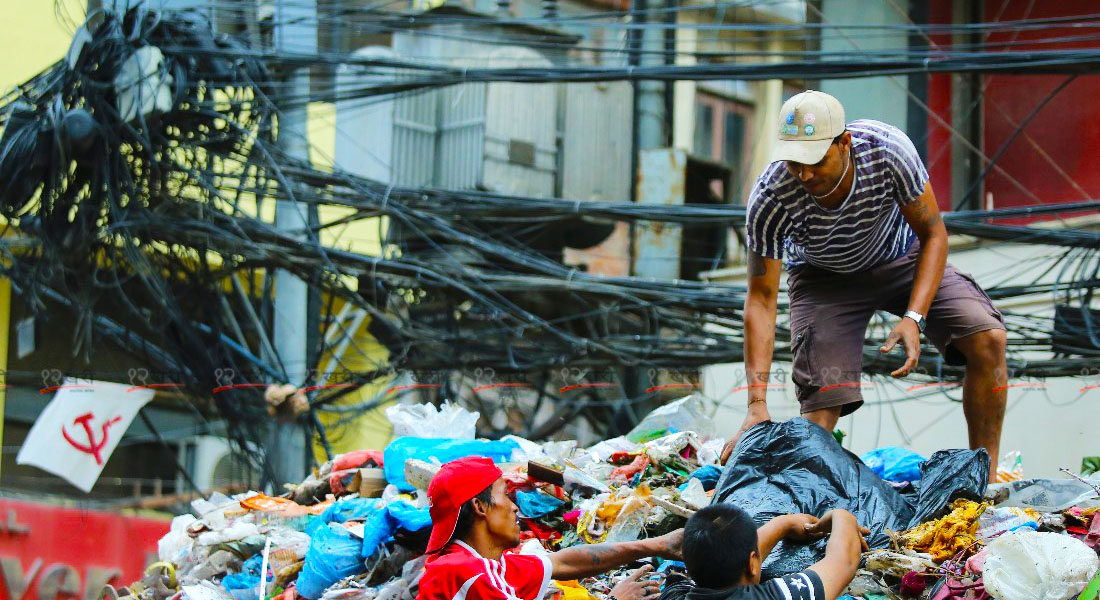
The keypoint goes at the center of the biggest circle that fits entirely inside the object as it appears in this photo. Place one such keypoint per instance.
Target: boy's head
(720, 547)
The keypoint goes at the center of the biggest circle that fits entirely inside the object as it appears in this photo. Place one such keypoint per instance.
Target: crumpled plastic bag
(535, 505)
(1030, 565)
(897, 564)
(333, 555)
(707, 475)
(671, 450)
(798, 467)
(894, 464)
(425, 421)
(240, 529)
(245, 584)
(600, 452)
(386, 520)
(694, 495)
(176, 544)
(1050, 495)
(686, 414)
(439, 451)
(347, 509)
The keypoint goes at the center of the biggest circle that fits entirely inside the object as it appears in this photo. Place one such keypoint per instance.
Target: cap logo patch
(790, 118)
(809, 118)
(808, 130)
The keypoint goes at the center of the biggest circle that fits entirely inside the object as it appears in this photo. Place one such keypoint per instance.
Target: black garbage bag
(798, 467)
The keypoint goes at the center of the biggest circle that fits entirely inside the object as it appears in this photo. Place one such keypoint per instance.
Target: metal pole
(651, 94)
(650, 131)
(295, 30)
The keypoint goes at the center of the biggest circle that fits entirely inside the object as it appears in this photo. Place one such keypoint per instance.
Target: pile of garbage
(357, 527)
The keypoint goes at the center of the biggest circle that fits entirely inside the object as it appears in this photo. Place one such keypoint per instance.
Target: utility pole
(650, 95)
(295, 30)
(648, 44)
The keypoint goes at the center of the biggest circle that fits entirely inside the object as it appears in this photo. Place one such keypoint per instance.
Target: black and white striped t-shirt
(806, 585)
(785, 222)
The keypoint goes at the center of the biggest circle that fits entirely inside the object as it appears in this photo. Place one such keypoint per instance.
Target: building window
(704, 130)
(722, 135)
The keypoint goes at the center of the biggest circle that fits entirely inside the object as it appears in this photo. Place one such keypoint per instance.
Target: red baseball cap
(454, 485)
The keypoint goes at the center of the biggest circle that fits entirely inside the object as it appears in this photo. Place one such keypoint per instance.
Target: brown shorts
(830, 313)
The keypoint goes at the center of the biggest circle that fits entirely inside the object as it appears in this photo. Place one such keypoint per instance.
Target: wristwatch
(919, 318)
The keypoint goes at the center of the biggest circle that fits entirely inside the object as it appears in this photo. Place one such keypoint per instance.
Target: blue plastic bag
(377, 529)
(408, 517)
(441, 450)
(894, 464)
(382, 524)
(707, 475)
(333, 555)
(534, 505)
(350, 508)
(246, 584)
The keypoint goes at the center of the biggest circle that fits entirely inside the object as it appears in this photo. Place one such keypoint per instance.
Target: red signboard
(54, 553)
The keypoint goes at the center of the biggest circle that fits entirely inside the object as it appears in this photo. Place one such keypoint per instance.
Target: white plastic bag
(1030, 565)
(423, 420)
(686, 414)
(602, 451)
(995, 521)
(1049, 495)
(176, 544)
(694, 495)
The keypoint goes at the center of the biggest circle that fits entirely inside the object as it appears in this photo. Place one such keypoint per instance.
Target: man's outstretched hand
(839, 517)
(907, 333)
(757, 413)
(637, 586)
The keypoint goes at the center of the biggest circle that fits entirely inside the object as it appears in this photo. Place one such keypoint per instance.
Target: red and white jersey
(460, 573)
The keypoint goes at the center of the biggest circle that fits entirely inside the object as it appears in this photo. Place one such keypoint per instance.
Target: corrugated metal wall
(498, 136)
(596, 141)
(461, 136)
(521, 151)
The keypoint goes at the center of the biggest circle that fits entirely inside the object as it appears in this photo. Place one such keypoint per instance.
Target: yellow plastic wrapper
(945, 537)
(572, 590)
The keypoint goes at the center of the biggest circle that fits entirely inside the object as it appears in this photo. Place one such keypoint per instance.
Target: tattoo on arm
(599, 554)
(922, 214)
(757, 266)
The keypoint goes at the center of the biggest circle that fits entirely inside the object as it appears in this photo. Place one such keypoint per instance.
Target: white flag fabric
(80, 428)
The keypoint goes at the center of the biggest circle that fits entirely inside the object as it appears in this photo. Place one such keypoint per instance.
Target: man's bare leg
(825, 417)
(984, 391)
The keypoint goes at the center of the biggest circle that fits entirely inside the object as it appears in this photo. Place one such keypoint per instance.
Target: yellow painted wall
(372, 430)
(32, 37)
(36, 33)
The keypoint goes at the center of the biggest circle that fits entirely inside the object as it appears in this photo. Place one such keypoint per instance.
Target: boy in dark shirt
(723, 551)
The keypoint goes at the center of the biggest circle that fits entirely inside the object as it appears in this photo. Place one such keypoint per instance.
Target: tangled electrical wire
(144, 166)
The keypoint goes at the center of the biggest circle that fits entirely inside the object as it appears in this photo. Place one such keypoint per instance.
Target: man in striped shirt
(848, 209)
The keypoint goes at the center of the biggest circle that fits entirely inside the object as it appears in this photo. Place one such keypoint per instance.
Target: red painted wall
(939, 103)
(70, 550)
(1055, 159)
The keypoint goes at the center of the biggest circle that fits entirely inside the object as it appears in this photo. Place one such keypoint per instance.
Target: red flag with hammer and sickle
(80, 428)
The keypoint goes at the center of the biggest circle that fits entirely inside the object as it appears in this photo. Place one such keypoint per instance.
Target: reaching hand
(838, 517)
(757, 413)
(907, 332)
(802, 528)
(634, 587)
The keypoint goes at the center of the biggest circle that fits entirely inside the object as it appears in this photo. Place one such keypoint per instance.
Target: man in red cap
(475, 526)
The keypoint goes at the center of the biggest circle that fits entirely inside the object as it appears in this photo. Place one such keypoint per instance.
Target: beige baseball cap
(808, 122)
